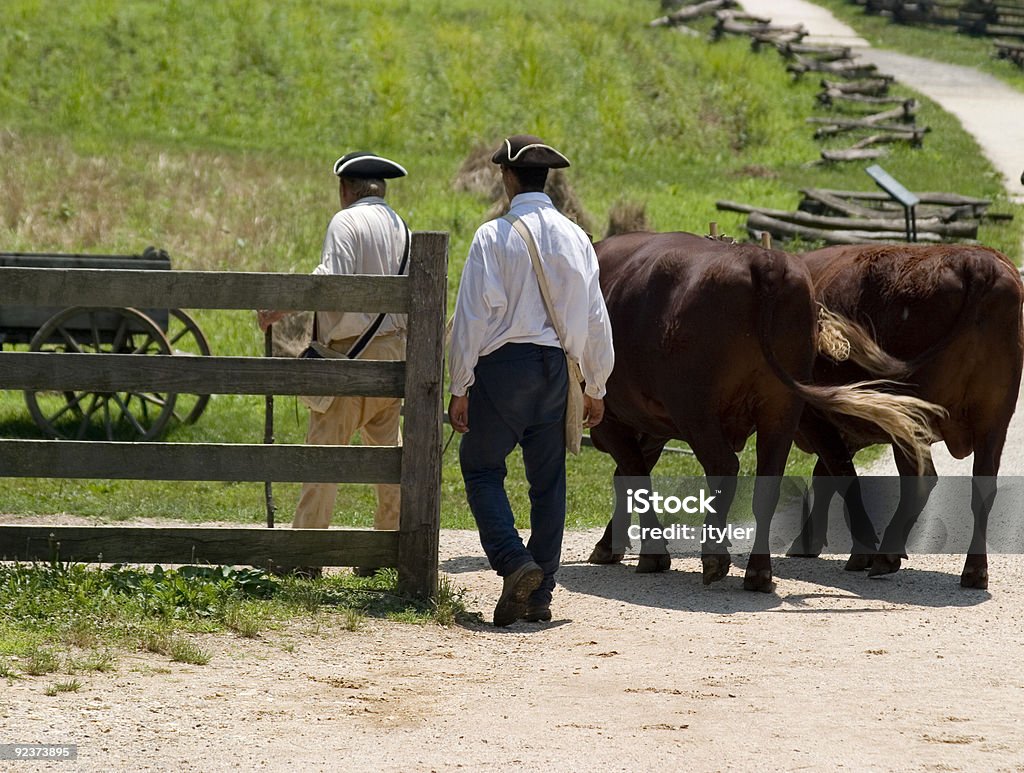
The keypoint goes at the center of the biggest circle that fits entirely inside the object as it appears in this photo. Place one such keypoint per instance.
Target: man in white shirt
(365, 237)
(509, 378)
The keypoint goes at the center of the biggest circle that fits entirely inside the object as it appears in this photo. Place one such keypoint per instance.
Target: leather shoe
(537, 613)
(515, 593)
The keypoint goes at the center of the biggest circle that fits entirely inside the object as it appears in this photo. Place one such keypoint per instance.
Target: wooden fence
(416, 465)
(995, 18)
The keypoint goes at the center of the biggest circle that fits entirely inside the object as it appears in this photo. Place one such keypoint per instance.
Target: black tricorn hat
(525, 150)
(363, 165)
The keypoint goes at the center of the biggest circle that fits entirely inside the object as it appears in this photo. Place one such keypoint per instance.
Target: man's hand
(266, 318)
(458, 413)
(593, 411)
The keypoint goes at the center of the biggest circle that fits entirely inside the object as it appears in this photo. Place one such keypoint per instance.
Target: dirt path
(834, 671)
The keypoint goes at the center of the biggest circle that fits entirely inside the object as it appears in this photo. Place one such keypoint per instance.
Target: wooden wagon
(121, 415)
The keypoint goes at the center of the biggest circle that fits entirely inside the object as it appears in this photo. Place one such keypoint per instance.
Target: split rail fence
(416, 465)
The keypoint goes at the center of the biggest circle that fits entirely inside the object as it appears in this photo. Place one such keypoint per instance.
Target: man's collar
(366, 200)
(531, 197)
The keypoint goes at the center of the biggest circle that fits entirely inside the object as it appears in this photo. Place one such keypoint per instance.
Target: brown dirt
(833, 671)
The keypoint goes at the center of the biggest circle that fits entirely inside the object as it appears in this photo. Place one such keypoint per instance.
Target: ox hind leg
(721, 466)
(834, 473)
(635, 456)
(773, 445)
(813, 536)
(987, 454)
(915, 488)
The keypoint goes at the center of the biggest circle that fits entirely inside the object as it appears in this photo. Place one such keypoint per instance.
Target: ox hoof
(758, 576)
(884, 563)
(602, 554)
(793, 553)
(975, 574)
(714, 567)
(651, 564)
(760, 581)
(858, 562)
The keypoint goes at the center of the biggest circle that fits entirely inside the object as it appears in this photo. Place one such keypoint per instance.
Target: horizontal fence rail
(202, 290)
(416, 465)
(202, 375)
(187, 545)
(200, 461)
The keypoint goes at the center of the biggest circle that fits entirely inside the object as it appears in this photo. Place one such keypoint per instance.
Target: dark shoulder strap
(364, 340)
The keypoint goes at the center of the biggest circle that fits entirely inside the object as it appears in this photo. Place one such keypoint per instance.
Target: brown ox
(952, 315)
(711, 340)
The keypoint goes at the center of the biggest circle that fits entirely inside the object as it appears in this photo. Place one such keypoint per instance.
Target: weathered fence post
(420, 520)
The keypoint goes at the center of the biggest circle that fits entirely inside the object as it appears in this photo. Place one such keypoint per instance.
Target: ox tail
(907, 420)
(840, 339)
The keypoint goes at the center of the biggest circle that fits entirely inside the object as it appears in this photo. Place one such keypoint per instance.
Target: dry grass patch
(210, 211)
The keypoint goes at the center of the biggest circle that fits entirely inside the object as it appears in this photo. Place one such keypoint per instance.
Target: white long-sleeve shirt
(367, 237)
(499, 299)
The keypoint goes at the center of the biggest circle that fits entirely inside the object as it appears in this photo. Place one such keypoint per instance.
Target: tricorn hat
(525, 150)
(363, 165)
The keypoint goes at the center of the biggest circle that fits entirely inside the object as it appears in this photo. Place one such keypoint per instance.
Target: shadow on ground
(681, 587)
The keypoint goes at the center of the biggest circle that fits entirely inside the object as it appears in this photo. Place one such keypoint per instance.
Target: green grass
(46, 607)
(210, 130)
(68, 685)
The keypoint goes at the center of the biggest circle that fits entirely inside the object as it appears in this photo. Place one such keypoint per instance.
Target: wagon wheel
(79, 415)
(186, 338)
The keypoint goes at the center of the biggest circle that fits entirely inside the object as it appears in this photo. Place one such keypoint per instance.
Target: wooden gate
(416, 465)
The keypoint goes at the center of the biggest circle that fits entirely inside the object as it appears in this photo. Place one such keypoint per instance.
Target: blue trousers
(518, 398)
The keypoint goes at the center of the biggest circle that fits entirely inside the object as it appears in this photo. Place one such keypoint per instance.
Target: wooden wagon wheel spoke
(145, 347)
(70, 339)
(144, 404)
(121, 416)
(83, 426)
(127, 414)
(152, 398)
(72, 404)
(96, 342)
(107, 425)
(120, 335)
(123, 403)
(178, 336)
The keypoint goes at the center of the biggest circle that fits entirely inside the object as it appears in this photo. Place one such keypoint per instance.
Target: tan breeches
(377, 421)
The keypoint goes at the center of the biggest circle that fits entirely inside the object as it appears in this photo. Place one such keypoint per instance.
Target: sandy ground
(833, 671)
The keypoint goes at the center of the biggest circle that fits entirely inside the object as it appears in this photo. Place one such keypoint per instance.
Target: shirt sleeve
(338, 255)
(480, 302)
(598, 355)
